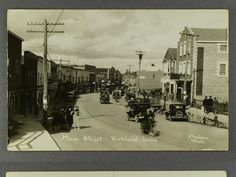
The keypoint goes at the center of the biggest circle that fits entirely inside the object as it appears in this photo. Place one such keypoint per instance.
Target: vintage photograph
(120, 174)
(117, 80)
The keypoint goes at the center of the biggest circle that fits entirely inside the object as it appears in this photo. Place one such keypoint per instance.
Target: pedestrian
(67, 118)
(187, 100)
(210, 104)
(70, 120)
(215, 105)
(76, 118)
(205, 102)
(55, 117)
(61, 118)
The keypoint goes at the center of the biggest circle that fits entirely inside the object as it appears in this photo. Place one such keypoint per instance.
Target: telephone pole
(60, 61)
(45, 74)
(140, 56)
(129, 74)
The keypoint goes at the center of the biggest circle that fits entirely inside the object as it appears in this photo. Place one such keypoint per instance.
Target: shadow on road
(97, 116)
(83, 127)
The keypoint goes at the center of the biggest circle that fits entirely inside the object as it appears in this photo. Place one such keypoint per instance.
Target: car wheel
(179, 114)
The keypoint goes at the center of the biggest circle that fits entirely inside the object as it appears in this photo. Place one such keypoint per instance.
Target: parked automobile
(70, 96)
(176, 111)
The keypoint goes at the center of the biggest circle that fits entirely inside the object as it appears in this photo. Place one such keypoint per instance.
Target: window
(222, 69)
(180, 68)
(199, 77)
(185, 47)
(189, 46)
(188, 69)
(184, 67)
(180, 49)
(222, 48)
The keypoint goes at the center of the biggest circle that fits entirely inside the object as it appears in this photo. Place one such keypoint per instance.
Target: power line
(58, 18)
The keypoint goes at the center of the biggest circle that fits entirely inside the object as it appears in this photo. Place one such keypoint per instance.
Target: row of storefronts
(25, 78)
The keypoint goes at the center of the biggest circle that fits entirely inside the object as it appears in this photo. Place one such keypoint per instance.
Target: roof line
(15, 35)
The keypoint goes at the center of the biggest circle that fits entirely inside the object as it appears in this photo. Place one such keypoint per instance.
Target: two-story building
(30, 82)
(170, 75)
(202, 64)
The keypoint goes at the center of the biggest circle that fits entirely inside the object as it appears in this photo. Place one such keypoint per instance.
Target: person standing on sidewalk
(210, 104)
(215, 105)
(76, 118)
(205, 101)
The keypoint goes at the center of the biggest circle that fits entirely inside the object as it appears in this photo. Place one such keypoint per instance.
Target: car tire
(179, 114)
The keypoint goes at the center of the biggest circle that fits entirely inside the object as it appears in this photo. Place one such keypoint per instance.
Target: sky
(120, 174)
(108, 38)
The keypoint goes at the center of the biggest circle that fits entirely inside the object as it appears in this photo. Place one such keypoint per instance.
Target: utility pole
(129, 74)
(45, 73)
(140, 56)
(62, 61)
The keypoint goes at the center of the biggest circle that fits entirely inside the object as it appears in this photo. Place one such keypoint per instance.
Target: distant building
(129, 78)
(149, 80)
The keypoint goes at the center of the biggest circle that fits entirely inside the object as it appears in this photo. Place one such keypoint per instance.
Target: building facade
(14, 73)
(149, 80)
(202, 63)
(170, 74)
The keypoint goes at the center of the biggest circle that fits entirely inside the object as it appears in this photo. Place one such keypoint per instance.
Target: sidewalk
(32, 136)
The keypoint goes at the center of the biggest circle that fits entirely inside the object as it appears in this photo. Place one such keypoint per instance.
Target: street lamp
(140, 56)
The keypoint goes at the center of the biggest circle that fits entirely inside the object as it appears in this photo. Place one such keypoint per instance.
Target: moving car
(136, 109)
(104, 96)
(176, 111)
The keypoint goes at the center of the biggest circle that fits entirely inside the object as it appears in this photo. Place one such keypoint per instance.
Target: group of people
(62, 119)
(210, 104)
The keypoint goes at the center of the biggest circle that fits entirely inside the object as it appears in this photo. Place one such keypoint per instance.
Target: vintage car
(104, 96)
(136, 109)
(130, 95)
(116, 94)
(176, 111)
